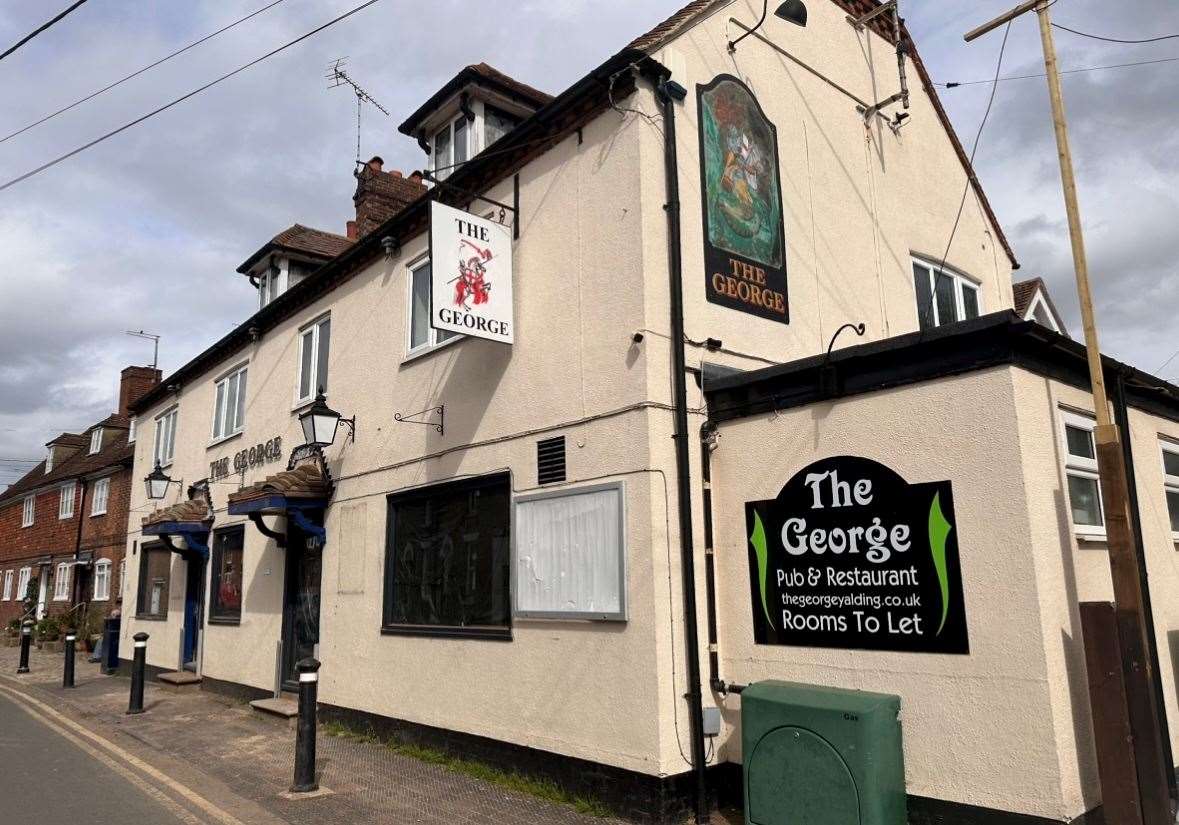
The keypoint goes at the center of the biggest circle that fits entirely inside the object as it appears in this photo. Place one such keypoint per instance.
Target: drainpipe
(1122, 418)
(81, 513)
(668, 93)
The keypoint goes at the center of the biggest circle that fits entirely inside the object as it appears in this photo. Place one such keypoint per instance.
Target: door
(300, 625)
(194, 587)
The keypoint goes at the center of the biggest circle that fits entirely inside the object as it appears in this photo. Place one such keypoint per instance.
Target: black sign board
(850, 555)
(744, 240)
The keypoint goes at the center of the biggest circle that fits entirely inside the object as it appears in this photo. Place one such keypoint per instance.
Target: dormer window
(49, 461)
(95, 440)
(452, 145)
(497, 123)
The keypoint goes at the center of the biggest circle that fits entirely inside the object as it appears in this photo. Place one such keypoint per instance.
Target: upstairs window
(95, 440)
(65, 505)
(944, 296)
(269, 285)
(7, 585)
(102, 581)
(452, 145)
(102, 491)
(314, 345)
(165, 446)
(1080, 467)
(229, 405)
(422, 336)
(61, 583)
(27, 512)
(496, 124)
(49, 461)
(1171, 485)
(131, 431)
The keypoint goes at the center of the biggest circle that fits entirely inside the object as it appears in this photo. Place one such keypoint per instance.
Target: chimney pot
(376, 163)
(396, 173)
(353, 233)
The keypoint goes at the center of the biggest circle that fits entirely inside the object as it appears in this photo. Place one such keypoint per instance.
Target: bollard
(137, 666)
(67, 677)
(305, 733)
(26, 638)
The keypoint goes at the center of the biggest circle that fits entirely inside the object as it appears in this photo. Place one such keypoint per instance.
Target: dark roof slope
(117, 453)
(314, 243)
(484, 75)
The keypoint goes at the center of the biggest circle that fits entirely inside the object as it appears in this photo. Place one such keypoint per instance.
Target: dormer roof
(1032, 295)
(305, 242)
(478, 75)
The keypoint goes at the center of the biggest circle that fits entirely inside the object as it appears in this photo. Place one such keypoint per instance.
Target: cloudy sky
(145, 230)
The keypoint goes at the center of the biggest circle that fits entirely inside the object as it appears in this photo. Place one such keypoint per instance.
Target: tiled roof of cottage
(78, 465)
(193, 511)
(305, 481)
(303, 239)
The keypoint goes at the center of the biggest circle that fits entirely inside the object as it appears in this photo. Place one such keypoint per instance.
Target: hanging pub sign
(744, 240)
(850, 555)
(471, 265)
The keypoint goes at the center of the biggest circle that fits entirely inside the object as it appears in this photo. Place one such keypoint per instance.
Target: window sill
(494, 634)
(224, 622)
(423, 352)
(102, 599)
(149, 618)
(301, 405)
(1091, 537)
(217, 442)
(101, 513)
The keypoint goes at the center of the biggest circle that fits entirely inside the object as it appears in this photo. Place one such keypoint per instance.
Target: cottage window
(95, 440)
(422, 336)
(314, 345)
(447, 559)
(225, 598)
(944, 296)
(65, 505)
(1084, 489)
(102, 491)
(102, 581)
(28, 510)
(165, 445)
(61, 583)
(1171, 485)
(229, 405)
(122, 576)
(131, 428)
(570, 555)
(155, 573)
(7, 585)
(22, 582)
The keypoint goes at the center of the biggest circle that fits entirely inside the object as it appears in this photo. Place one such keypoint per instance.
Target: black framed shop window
(225, 589)
(155, 574)
(448, 560)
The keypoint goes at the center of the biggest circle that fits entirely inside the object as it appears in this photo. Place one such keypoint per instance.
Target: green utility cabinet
(821, 756)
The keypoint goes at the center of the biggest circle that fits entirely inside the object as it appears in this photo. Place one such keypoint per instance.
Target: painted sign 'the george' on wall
(471, 271)
(850, 555)
(744, 239)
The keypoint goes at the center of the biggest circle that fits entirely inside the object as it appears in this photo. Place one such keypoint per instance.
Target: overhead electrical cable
(138, 72)
(38, 30)
(956, 84)
(1115, 39)
(184, 97)
(974, 148)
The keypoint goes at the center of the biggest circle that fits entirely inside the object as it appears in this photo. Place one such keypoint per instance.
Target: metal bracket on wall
(279, 538)
(413, 418)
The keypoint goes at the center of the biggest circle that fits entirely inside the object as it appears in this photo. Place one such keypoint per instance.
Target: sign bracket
(415, 418)
(466, 193)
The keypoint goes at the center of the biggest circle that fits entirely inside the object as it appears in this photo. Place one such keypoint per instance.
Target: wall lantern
(320, 423)
(792, 11)
(157, 482)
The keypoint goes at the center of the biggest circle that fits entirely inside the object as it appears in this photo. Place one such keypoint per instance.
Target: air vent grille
(550, 460)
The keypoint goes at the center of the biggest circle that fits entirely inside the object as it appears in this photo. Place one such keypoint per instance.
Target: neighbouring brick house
(63, 526)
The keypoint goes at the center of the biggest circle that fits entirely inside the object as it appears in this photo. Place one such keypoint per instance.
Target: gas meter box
(821, 756)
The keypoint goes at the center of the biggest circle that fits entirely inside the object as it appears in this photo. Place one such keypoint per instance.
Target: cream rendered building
(469, 641)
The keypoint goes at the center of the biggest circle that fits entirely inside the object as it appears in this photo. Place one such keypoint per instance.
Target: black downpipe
(683, 469)
(1122, 418)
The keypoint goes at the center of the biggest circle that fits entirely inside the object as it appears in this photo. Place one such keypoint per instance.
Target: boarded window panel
(353, 527)
(569, 555)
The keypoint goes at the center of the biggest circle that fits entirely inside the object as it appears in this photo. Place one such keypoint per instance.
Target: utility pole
(1137, 670)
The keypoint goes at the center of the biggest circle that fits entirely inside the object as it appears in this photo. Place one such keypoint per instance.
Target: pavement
(75, 756)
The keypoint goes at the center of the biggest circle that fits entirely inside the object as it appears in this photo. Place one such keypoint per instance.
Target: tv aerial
(338, 76)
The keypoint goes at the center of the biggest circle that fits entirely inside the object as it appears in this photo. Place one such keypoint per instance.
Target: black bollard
(26, 638)
(305, 734)
(137, 666)
(67, 677)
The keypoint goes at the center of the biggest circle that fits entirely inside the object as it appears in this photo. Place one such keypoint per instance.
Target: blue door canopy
(190, 520)
(290, 493)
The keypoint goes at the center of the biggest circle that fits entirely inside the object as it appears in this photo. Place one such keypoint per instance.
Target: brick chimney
(134, 383)
(380, 195)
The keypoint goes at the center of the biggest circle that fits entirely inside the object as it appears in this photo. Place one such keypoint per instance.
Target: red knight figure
(471, 282)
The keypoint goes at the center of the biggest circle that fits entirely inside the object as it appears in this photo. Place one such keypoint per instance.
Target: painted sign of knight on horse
(471, 287)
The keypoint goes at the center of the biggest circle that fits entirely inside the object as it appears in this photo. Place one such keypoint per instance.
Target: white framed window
(165, 444)
(452, 145)
(102, 580)
(314, 346)
(422, 336)
(229, 405)
(65, 504)
(943, 295)
(122, 576)
(22, 582)
(28, 511)
(102, 491)
(131, 428)
(7, 586)
(1171, 485)
(1080, 467)
(570, 554)
(61, 583)
(95, 440)
(497, 123)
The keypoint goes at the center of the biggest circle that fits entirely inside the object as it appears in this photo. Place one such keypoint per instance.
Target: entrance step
(284, 709)
(181, 681)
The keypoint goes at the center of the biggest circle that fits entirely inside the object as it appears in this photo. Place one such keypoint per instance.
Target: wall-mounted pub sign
(744, 239)
(471, 266)
(254, 456)
(850, 555)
